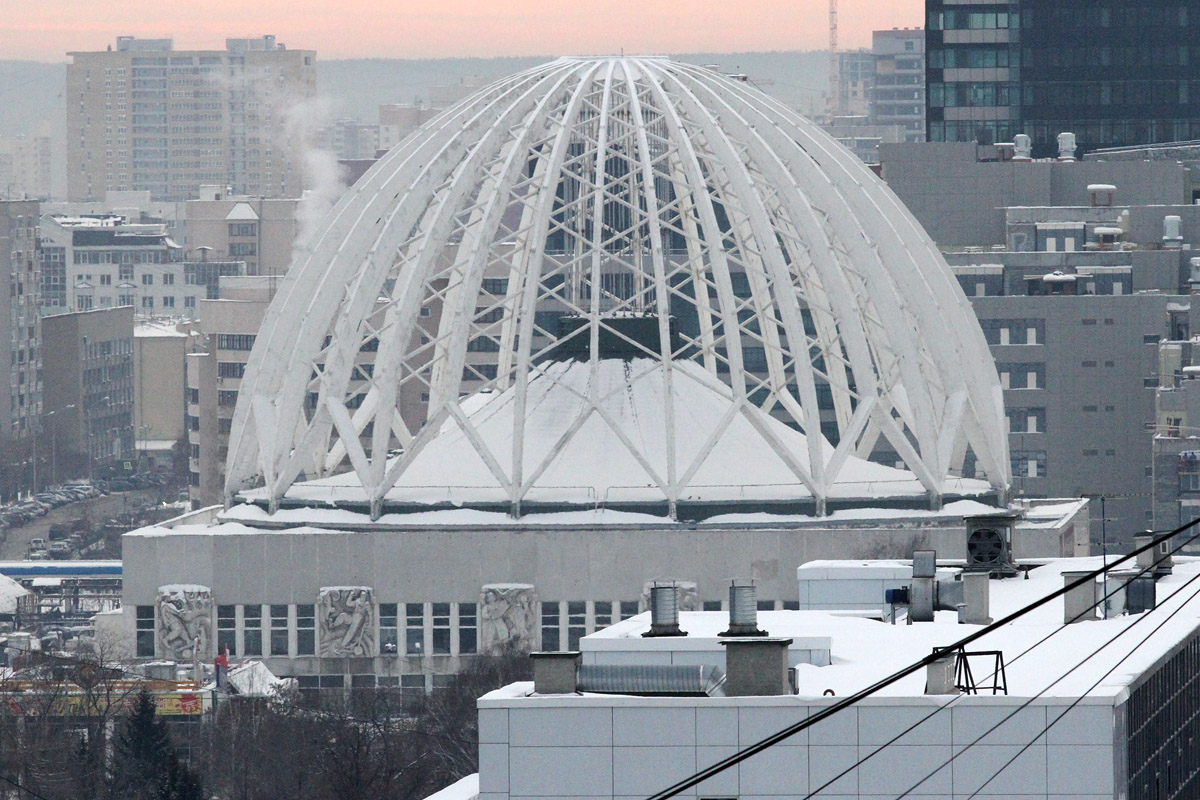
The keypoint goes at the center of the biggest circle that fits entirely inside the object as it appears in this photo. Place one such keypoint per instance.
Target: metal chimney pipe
(743, 609)
(664, 610)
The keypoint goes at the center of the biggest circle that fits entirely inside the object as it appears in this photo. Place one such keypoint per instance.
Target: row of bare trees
(356, 745)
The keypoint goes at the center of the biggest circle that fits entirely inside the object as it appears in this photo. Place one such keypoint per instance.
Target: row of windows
(1022, 376)
(977, 57)
(1014, 331)
(983, 18)
(1092, 56)
(970, 95)
(1025, 420)
(1028, 463)
(1109, 93)
(235, 341)
(231, 369)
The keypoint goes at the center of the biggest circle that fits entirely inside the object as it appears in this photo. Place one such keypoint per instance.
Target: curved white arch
(604, 189)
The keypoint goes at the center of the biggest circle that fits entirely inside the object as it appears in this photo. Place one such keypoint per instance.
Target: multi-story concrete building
(160, 349)
(349, 139)
(398, 121)
(258, 231)
(1115, 74)
(214, 374)
(88, 386)
(898, 93)
(144, 116)
(20, 340)
(104, 262)
(25, 167)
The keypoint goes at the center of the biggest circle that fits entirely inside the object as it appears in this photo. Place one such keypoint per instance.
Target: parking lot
(79, 515)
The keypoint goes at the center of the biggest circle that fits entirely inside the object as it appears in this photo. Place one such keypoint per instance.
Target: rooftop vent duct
(1079, 603)
(664, 610)
(555, 673)
(1194, 277)
(1102, 195)
(1172, 232)
(940, 676)
(743, 609)
(1157, 560)
(757, 667)
(1066, 146)
(924, 585)
(1022, 147)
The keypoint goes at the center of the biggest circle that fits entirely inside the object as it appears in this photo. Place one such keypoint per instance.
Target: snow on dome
(621, 210)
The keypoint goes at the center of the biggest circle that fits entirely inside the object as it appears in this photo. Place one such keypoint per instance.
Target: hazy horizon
(48, 31)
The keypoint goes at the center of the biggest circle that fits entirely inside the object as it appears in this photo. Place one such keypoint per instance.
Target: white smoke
(324, 178)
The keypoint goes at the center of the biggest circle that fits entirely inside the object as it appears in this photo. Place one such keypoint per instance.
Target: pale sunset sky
(46, 30)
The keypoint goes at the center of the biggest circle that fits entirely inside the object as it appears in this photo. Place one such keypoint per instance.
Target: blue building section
(60, 569)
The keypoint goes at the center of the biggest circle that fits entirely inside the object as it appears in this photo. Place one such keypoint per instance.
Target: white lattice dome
(618, 281)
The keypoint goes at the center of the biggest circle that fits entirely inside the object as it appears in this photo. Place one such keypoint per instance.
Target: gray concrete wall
(1098, 397)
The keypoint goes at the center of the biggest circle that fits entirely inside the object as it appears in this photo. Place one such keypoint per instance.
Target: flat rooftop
(866, 650)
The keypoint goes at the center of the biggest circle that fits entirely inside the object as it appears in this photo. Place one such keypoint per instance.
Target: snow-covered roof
(749, 242)
(241, 212)
(866, 650)
(464, 789)
(620, 452)
(10, 593)
(146, 329)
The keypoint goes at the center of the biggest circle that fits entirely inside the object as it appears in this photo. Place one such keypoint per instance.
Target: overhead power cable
(1139, 619)
(937, 654)
(1009, 662)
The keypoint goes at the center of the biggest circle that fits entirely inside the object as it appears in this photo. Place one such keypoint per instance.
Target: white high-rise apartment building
(145, 117)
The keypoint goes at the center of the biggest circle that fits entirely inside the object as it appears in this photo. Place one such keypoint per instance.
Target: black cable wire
(1008, 663)
(936, 655)
(1111, 670)
(25, 789)
(1140, 618)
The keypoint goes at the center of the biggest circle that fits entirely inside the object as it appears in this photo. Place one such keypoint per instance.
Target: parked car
(37, 543)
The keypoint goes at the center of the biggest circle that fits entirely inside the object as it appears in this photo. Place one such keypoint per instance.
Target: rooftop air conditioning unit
(989, 544)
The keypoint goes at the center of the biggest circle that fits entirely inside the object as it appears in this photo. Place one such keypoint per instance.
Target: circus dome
(618, 281)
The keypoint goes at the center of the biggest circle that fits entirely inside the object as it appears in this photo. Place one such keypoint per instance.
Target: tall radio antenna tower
(834, 88)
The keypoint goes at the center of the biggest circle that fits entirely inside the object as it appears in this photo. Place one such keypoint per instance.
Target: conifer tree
(145, 765)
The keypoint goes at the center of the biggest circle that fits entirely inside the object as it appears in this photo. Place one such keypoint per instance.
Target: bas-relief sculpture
(184, 622)
(345, 619)
(508, 617)
(686, 592)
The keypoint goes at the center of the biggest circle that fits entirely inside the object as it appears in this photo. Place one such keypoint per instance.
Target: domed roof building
(623, 282)
(606, 321)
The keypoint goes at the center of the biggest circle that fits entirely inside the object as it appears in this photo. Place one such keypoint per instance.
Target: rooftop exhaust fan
(989, 545)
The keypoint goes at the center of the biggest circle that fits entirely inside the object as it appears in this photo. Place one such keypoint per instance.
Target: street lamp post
(53, 447)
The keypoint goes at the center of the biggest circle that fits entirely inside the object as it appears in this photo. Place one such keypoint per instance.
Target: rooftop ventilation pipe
(1066, 146)
(1172, 232)
(1022, 147)
(757, 667)
(922, 595)
(1156, 561)
(1079, 603)
(664, 610)
(743, 609)
(556, 673)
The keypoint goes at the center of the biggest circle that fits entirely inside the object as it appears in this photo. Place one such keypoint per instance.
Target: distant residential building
(856, 77)
(160, 349)
(1113, 73)
(349, 139)
(258, 231)
(104, 262)
(397, 121)
(25, 167)
(145, 117)
(20, 338)
(229, 328)
(134, 207)
(898, 93)
(88, 386)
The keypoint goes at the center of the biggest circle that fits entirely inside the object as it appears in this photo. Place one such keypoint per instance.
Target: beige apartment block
(143, 116)
(160, 348)
(259, 231)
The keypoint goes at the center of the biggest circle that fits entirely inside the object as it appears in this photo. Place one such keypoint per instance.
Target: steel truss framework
(603, 189)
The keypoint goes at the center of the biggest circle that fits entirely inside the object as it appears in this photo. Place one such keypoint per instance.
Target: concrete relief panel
(686, 591)
(508, 617)
(184, 622)
(346, 621)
